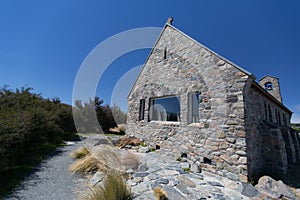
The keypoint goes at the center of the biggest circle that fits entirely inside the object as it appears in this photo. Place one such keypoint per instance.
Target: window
(269, 86)
(193, 107)
(270, 113)
(266, 111)
(279, 118)
(164, 109)
(142, 110)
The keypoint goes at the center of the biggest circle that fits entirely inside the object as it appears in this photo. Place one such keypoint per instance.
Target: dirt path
(51, 179)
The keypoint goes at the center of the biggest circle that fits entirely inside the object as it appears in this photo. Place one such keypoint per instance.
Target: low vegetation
(128, 141)
(81, 152)
(114, 188)
(30, 128)
(120, 129)
(103, 160)
(160, 194)
(114, 163)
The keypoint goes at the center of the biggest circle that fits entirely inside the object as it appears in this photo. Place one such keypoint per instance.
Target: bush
(114, 188)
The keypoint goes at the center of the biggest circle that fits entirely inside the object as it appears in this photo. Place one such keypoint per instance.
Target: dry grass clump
(114, 188)
(121, 128)
(85, 165)
(129, 141)
(80, 152)
(160, 194)
(130, 160)
(103, 160)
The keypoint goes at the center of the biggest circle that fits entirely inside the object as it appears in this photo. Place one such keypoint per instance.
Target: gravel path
(51, 179)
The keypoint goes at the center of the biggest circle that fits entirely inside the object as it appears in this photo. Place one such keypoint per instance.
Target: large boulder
(274, 189)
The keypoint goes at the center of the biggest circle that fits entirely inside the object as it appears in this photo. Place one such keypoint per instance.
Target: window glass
(165, 109)
(142, 109)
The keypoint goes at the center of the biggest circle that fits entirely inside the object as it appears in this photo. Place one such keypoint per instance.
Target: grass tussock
(114, 188)
(86, 164)
(129, 141)
(130, 160)
(121, 128)
(81, 152)
(160, 194)
(102, 160)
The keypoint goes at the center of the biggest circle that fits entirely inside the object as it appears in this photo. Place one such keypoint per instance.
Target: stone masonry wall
(177, 66)
(271, 144)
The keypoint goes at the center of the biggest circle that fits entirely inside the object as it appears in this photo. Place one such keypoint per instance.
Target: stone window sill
(199, 125)
(165, 122)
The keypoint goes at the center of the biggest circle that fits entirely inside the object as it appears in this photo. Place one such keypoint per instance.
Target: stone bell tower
(271, 85)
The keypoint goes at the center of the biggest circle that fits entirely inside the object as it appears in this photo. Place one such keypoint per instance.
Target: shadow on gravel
(11, 178)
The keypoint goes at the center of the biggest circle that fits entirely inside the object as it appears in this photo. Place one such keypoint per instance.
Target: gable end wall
(218, 142)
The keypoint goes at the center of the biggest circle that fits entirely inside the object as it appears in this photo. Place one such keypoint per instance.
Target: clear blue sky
(43, 43)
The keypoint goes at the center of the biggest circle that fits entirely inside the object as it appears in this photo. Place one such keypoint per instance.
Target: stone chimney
(271, 85)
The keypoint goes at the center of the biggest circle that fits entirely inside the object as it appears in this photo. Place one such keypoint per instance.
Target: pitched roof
(203, 46)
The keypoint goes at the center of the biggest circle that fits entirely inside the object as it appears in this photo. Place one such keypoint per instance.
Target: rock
(131, 183)
(141, 174)
(163, 181)
(98, 177)
(195, 168)
(173, 194)
(241, 141)
(232, 176)
(233, 185)
(102, 141)
(242, 160)
(146, 196)
(184, 165)
(219, 196)
(130, 171)
(115, 141)
(143, 167)
(140, 188)
(128, 146)
(241, 153)
(221, 63)
(216, 184)
(186, 181)
(174, 182)
(274, 189)
(182, 188)
(167, 172)
(249, 190)
(143, 150)
(230, 140)
(153, 176)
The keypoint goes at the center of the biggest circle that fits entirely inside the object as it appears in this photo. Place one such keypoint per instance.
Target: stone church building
(190, 102)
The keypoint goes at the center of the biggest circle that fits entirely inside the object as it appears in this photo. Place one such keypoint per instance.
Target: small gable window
(142, 110)
(269, 86)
